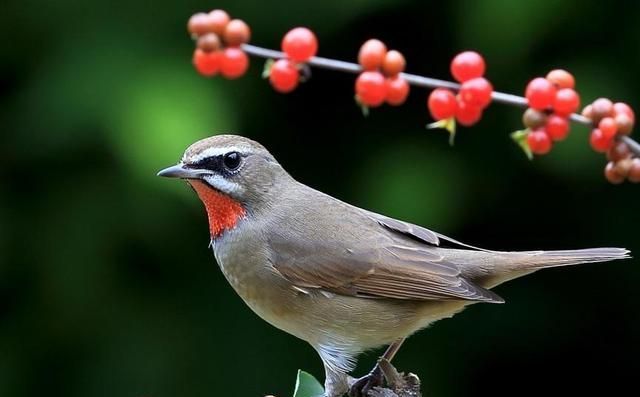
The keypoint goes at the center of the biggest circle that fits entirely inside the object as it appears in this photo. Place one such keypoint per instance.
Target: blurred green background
(107, 287)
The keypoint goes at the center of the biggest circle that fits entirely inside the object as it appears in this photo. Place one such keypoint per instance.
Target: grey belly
(357, 324)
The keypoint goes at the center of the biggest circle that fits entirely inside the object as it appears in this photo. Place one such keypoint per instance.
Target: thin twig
(421, 81)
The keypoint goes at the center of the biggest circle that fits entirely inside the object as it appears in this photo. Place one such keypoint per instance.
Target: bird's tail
(491, 268)
(542, 259)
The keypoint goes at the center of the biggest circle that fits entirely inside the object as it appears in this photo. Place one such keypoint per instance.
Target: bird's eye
(232, 160)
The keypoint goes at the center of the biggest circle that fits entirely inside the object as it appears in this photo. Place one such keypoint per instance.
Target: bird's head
(232, 175)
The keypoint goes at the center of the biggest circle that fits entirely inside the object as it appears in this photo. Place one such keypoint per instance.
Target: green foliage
(520, 138)
(307, 385)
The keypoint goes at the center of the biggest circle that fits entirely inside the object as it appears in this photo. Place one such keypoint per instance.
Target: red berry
(466, 113)
(634, 171)
(393, 63)
(561, 78)
(540, 93)
(623, 108)
(566, 101)
(620, 150)
(608, 127)
(236, 32)
(539, 142)
(198, 24)
(623, 167)
(599, 142)
(467, 65)
(218, 20)
(624, 123)
(234, 63)
(600, 108)
(442, 104)
(372, 54)
(397, 90)
(300, 44)
(534, 118)
(208, 42)
(588, 112)
(557, 127)
(371, 89)
(476, 92)
(612, 174)
(207, 63)
(284, 76)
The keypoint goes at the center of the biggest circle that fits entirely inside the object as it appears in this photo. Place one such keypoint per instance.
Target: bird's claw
(360, 387)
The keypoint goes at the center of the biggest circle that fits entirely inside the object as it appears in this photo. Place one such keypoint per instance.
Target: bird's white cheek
(222, 184)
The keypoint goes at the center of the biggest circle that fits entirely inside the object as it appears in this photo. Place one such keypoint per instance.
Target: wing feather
(382, 263)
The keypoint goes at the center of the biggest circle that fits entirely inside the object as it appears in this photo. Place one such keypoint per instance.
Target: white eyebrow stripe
(222, 184)
(216, 151)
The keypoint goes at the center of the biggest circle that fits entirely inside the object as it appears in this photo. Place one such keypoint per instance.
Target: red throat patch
(223, 211)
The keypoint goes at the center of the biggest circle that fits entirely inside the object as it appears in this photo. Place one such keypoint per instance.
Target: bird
(342, 278)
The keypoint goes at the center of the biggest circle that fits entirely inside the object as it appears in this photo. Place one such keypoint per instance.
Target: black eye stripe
(221, 164)
(213, 163)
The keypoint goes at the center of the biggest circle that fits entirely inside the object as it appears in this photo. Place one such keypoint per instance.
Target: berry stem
(633, 145)
(421, 81)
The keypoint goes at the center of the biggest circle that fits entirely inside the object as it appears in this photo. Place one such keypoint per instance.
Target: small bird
(342, 278)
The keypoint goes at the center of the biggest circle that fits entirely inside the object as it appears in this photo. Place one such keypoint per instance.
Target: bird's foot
(360, 387)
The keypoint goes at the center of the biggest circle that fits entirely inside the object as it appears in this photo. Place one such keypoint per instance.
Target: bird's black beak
(183, 172)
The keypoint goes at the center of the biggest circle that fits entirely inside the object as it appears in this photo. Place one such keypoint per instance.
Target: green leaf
(520, 137)
(364, 108)
(266, 70)
(446, 124)
(307, 385)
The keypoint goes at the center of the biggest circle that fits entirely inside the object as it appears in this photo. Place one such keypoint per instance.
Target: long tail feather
(491, 268)
(544, 259)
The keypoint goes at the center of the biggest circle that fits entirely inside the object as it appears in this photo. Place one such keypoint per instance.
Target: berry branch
(419, 81)
(354, 68)
(551, 101)
(413, 79)
(633, 145)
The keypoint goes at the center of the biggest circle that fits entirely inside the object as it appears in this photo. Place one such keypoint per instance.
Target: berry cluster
(299, 45)
(473, 96)
(380, 81)
(610, 121)
(218, 40)
(621, 164)
(552, 100)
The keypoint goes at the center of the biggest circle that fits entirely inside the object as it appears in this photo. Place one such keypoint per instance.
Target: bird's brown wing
(380, 262)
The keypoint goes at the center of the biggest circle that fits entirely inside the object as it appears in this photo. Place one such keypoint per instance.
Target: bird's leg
(335, 383)
(361, 386)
